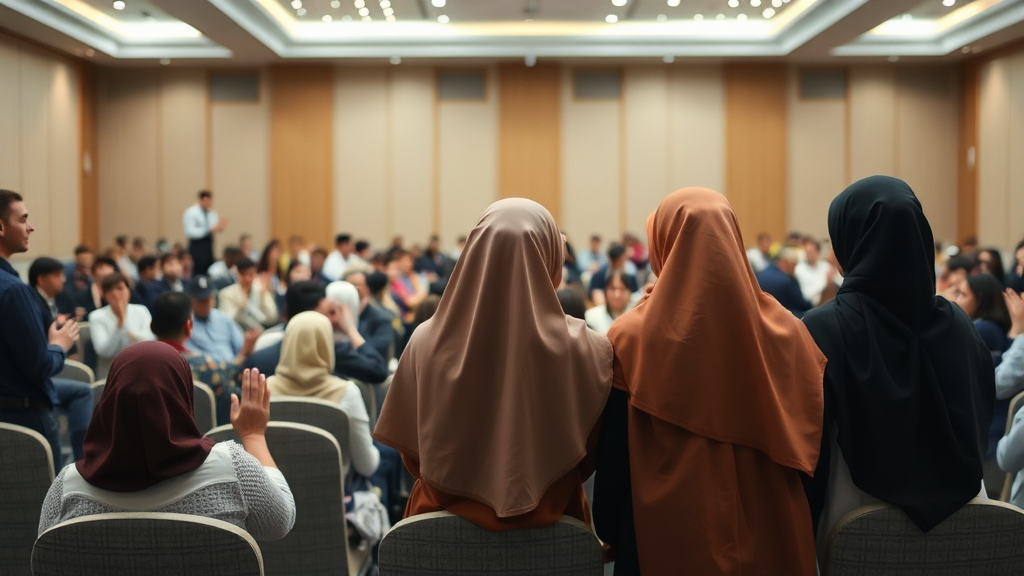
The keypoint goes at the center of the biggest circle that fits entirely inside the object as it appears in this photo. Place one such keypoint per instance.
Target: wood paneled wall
(529, 148)
(301, 140)
(756, 147)
(967, 151)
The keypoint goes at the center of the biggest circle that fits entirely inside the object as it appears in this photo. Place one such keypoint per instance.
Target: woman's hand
(1015, 306)
(249, 416)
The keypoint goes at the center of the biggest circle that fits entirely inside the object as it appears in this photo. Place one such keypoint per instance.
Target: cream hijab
(497, 394)
(307, 360)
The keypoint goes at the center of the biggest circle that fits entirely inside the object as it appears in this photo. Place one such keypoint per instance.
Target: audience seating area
(26, 472)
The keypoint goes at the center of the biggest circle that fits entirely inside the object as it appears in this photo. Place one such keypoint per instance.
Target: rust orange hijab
(706, 350)
(497, 394)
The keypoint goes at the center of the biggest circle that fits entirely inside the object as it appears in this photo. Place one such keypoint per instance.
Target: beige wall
(39, 143)
(1001, 138)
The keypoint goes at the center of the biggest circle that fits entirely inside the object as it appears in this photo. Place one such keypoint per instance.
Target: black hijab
(909, 382)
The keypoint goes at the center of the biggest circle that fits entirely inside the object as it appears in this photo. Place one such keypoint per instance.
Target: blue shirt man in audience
(616, 261)
(374, 324)
(30, 354)
(213, 332)
(777, 279)
(593, 259)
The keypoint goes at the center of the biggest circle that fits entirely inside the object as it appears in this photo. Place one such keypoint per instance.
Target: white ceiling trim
(939, 44)
(67, 22)
(628, 39)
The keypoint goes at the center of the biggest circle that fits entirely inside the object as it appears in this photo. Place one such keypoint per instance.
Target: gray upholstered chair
(97, 391)
(150, 543)
(310, 460)
(369, 399)
(77, 371)
(317, 413)
(1015, 405)
(204, 406)
(26, 472)
(442, 543)
(984, 537)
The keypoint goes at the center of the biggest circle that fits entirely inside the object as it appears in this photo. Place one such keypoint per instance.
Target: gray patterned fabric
(982, 538)
(26, 470)
(310, 460)
(317, 413)
(145, 543)
(204, 407)
(76, 371)
(441, 543)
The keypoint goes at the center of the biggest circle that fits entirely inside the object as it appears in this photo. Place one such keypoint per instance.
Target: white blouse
(108, 339)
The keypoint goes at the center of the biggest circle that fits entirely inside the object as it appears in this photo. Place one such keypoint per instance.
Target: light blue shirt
(197, 224)
(217, 335)
(1010, 372)
(1010, 456)
(585, 258)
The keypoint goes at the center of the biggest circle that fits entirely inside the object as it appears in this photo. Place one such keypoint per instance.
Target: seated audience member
(778, 281)
(213, 332)
(433, 261)
(760, 256)
(616, 263)
(425, 311)
(909, 382)
(46, 276)
(813, 272)
(306, 369)
(172, 324)
(301, 297)
(92, 297)
(316, 266)
(572, 303)
(715, 414)
(245, 247)
(223, 272)
(170, 267)
(297, 272)
(351, 359)
(268, 264)
(147, 275)
(1015, 275)
(119, 324)
(635, 252)
(143, 453)
(951, 274)
(456, 406)
(363, 251)
(407, 288)
(1010, 372)
(991, 261)
(375, 324)
(79, 272)
(592, 259)
(250, 302)
(617, 301)
(342, 255)
(122, 255)
(980, 296)
(342, 293)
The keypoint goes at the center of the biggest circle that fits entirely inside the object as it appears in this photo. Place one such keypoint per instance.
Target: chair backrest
(983, 537)
(85, 348)
(369, 399)
(1015, 405)
(310, 460)
(74, 370)
(442, 543)
(318, 413)
(149, 543)
(97, 391)
(204, 406)
(26, 472)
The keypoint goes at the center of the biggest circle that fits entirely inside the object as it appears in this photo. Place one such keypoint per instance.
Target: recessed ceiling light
(165, 61)
(768, 12)
(335, 4)
(346, 18)
(359, 3)
(611, 18)
(698, 17)
(364, 11)
(90, 52)
(395, 60)
(668, 59)
(385, 4)
(755, 3)
(327, 18)
(301, 11)
(776, 3)
(443, 19)
(966, 49)
(662, 18)
(734, 3)
(948, 2)
(741, 17)
(720, 17)
(389, 12)
(438, 3)
(366, 18)
(119, 5)
(390, 18)
(296, 4)
(619, 2)
(673, 3)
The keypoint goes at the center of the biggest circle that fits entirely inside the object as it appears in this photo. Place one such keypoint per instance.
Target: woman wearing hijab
(306, 369)
(909, 384)
(143, 452)
(716, 411)
(496, 401)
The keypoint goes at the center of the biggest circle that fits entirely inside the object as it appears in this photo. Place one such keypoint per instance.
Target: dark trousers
(41, 421)
(201, 251)
(76, 399)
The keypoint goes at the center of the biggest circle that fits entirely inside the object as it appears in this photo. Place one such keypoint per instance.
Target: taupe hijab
(497, 394)
(307, 360)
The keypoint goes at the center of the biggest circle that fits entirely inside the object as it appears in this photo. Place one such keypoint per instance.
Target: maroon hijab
(143, 430)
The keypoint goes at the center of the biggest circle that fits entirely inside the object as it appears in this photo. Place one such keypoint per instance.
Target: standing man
(201, 223)
(30, 354)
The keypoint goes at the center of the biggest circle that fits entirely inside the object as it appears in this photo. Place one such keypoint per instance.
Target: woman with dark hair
(991, 261)
(909, 384)
(1015, 276)
(617, 295)
(269, 265)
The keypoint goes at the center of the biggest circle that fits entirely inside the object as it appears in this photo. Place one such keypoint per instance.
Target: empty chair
(26, 471)
(77, 371)
(311, 461)
(317, 413)
(97, 391)
(983, 537)
(204, 405)
(147, 543)
(442, 543)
